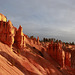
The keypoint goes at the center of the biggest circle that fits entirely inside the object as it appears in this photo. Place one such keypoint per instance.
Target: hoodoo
(9, 34)
(31, 56)
(20, 38)
(3, 18)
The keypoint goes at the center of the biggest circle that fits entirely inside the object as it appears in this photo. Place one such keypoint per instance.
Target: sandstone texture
(3, 18)
(20, 38)
(7, 33)
(21, 55)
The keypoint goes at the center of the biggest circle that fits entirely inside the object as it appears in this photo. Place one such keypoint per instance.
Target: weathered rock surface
(64, 56)
(7, 33)
(3, 18)
(20, 38)
(28, 56)
(27, 63)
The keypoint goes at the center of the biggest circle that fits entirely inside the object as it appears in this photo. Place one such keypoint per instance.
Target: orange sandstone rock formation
(7, 33)
(38, 41)
(11, 35)
(20, 38)
(3, 18)
(64, 56)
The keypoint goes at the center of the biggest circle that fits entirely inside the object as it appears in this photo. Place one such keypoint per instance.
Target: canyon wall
(64, 56)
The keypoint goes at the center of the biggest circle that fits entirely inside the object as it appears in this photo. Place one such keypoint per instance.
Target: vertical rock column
(38, 40)
(60, 55)
(54, 51)
(34, 40)
(1, 30)
(73, 59)
(67, 59)
(20, 38)
(57, 52)
(10, 33)
(60, 58)
(7, 33)
(51, 48)
(63, 58)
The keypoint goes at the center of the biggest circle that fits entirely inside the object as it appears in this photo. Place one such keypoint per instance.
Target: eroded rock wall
(64, 56)
(7, 33)
(11, 35)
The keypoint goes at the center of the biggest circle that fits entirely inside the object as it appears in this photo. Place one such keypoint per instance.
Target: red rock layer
(63, 56)
(20, 38)
(7, 33)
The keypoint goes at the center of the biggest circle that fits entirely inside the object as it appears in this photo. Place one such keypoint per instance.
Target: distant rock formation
(38, 40)
(64, 56)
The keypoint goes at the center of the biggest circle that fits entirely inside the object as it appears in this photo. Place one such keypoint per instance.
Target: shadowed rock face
(64, 56)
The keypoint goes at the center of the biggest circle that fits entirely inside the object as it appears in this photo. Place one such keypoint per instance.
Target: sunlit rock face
(7, 33)
(20, 38)
(10, 34)
(38, 40)
(3, 18)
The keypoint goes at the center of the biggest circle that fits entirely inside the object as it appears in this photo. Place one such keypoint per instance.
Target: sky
(43, 18)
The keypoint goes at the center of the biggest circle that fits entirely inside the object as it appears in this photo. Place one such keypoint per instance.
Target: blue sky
(43, 18)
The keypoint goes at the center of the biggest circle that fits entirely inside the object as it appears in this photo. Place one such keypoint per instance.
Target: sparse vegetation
(51, 39)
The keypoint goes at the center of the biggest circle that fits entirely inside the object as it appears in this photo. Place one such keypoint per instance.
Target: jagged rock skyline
(13, 42)
(45, 18)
